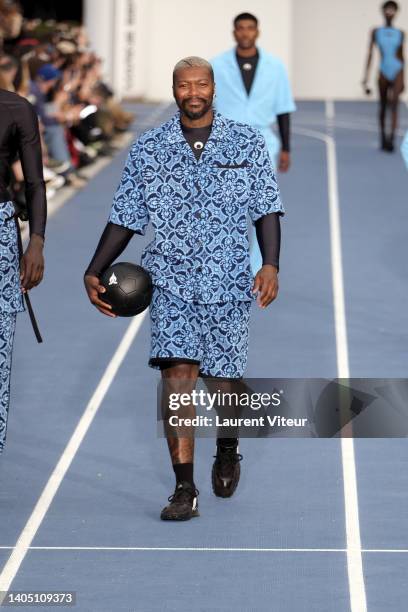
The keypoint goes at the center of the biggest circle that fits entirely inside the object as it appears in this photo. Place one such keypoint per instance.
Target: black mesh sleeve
(112, 243)
(284, 130)
(268, 234)
(29, 148)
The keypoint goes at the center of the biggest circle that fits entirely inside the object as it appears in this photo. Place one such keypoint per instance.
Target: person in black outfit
(19, 137)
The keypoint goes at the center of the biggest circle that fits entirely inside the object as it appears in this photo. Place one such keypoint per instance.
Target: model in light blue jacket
(270, 96)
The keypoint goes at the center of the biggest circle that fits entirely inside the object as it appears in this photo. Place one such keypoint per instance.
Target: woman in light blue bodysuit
(390, 42)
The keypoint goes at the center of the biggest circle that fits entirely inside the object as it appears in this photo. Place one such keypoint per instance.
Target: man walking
(19, 136)
(252, 87)
(197, 178)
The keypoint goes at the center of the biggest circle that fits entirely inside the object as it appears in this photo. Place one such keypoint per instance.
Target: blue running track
(293, 536)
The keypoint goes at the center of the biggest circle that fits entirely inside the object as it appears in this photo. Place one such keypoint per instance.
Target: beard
(246, 44)
(207, 104)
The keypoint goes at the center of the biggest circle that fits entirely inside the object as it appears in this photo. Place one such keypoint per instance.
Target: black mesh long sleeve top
(20, 138)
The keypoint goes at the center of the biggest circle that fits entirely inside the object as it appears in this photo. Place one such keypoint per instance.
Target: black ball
(128, 287)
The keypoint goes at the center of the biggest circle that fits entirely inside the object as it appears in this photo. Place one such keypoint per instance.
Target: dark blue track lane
(291, 491)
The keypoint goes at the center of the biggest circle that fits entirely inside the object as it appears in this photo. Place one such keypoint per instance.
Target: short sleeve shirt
(199, 209)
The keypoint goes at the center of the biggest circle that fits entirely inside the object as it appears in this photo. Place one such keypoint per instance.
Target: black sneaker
(183, 504)
(226, 470)
(383, 145)
(387, 144)
(390, 146)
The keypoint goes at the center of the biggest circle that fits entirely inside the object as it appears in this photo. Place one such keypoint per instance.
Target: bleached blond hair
(193, 61)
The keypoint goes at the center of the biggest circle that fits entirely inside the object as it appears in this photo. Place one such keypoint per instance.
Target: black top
(284, 130)
(196, 137)
(19, 137)
(268, 234)
(247, 66)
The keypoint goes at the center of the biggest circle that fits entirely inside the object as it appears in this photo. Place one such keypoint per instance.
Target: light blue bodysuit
(389, 40)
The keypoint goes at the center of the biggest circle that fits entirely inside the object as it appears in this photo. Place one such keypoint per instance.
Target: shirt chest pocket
(230, 183)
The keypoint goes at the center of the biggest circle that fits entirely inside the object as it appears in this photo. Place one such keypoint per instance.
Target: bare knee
(187, 371)
(180, 378)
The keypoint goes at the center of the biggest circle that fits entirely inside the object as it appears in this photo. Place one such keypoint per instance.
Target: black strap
(26, 296)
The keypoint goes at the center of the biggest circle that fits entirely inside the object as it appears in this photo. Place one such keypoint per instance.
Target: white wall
(330, 42)
(322, 42)
(164, 31)
(204, 27)
(98, 18)
(119, 32)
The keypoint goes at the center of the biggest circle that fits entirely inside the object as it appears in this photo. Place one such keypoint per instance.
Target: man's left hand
(284, 161)
(32, 264)
(266, 282)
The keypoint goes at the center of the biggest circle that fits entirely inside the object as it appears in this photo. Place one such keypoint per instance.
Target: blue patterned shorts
(11, 297)
(7, 328)
(11, 302)
(213, 335)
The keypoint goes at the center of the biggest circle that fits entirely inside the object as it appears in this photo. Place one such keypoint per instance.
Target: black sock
(223, 442)
(184, 472)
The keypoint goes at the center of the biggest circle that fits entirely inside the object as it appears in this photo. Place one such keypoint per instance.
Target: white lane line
(355, 572)
(209, 549)
(336, 254)
(31, 527)
(349, 470)
(358, 601)
(329, 109)
(183, 549)
(348, 125)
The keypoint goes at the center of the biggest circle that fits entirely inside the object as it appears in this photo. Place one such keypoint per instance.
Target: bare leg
(179, 378)
(383, 85)
(396, 91)
(230, 390)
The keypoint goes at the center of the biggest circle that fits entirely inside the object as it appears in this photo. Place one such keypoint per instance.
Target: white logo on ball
(113, 280)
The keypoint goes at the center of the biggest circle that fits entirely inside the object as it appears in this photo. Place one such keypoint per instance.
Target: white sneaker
(50, 192)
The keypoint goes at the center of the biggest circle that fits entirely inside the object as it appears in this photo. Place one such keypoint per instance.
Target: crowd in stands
(51, 64)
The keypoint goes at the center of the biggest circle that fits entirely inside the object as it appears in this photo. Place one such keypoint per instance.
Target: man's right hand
(93, 289)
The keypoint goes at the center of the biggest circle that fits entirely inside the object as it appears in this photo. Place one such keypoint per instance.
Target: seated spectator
(52, 65)
(11, 20)
(8, 69)
(42, 97)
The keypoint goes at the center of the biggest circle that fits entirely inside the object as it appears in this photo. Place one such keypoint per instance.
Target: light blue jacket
(270, 94)
(199, 209)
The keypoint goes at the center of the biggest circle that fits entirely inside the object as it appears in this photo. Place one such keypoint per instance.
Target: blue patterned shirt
(199, 209)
